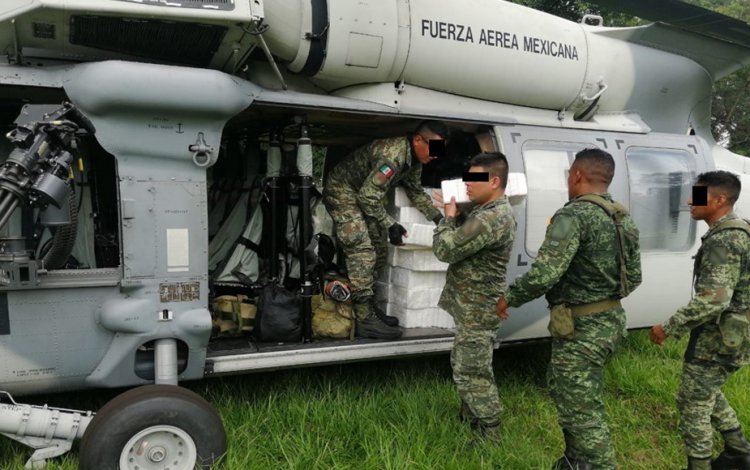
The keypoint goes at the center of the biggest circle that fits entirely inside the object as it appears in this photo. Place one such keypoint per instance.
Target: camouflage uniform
(722, 284)
(577, 264)
(478, 251)
(354, 192)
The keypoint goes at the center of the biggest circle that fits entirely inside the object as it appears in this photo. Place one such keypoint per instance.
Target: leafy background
(731, 101)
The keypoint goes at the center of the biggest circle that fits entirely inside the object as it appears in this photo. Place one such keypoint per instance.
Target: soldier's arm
(720, 266)
(371, 194)
(633, 265)
(452, 243)
(557, 251)
(413, 187)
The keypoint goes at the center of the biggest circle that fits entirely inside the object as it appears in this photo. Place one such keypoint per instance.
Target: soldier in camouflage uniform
(717, 319)
(583, 273)
(478, 249)
(353, 194)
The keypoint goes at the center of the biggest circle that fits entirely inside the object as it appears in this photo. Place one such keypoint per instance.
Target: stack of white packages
(410, 285)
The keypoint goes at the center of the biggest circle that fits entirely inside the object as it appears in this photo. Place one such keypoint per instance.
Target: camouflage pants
(361, 238)
(575, 381)
(700, 401)
(471, 360)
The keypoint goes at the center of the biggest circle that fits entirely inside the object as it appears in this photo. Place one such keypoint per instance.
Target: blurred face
(715, 202)
(481, 191)
(421, 143)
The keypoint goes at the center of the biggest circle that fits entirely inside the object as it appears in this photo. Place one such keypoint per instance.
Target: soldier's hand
(451, 209)
(657, 334)
(396, 234)
(437, 197)
(502, 308)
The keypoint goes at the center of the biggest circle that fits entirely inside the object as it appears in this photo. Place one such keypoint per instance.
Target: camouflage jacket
(578, 260)
(478, 252)
(373, 169)
(722, 279)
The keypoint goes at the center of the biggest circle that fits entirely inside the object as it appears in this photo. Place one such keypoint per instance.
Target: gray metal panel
(422, 103)
(55, 339)
(309, 100)
(145, 111)
(77, 278)
(162, 212)
(51, 77)
(327, 355)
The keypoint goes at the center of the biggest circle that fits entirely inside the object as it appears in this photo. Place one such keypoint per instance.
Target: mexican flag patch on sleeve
(387, 171)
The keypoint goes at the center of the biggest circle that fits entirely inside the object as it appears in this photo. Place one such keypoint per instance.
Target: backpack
(627, 238)
(233, 315)
(331, 319)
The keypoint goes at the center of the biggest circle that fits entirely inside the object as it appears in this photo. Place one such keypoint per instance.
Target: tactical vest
(617, 212)
(731, 224)
(733, 326)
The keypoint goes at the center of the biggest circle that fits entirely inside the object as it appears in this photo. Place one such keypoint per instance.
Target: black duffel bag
(279, 317)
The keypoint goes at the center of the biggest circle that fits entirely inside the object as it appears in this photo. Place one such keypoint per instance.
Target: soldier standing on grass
(353, 194)
(589, 260)
(717, 319)
(478, 250)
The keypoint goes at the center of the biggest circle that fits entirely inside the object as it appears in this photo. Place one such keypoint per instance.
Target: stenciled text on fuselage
(494, 38)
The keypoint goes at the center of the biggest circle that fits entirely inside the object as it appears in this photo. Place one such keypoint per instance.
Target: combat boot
(567, 462)
(368, 325)
(465, 414)
(695, 463)
(486, 433)
(387, 319)
(736, 454)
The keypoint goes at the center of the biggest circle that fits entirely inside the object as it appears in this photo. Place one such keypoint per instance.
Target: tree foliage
(730, 116)
(575, 10)
(731, 102)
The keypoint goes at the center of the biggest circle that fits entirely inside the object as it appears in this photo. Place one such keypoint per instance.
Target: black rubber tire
(151, 405)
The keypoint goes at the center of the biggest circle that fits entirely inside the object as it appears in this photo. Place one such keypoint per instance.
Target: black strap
(243, 278)
(247, 243)
(612, 212)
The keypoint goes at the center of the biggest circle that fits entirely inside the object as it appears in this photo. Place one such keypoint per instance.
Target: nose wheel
(155, 427)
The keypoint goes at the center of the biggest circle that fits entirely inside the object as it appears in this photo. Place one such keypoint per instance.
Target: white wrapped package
(415, 260)
(418, 235)
(409, 215)
(416, 279)
(433, 317)
(424, 297)
(454, 188)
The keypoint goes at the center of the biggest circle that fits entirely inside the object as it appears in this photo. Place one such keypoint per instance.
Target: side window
(547, 165)
(660, 185)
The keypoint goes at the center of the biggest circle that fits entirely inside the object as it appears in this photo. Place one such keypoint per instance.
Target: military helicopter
(137, 129)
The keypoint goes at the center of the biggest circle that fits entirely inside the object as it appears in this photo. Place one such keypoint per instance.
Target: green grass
(403, 414)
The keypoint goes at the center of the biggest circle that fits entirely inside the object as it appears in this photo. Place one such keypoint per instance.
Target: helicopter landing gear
(154, 427)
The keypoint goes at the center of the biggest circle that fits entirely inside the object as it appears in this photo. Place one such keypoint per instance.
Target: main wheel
(154, 427)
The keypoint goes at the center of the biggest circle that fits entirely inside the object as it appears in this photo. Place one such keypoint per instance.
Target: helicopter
(164, 154)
